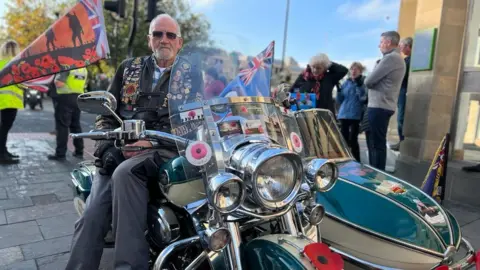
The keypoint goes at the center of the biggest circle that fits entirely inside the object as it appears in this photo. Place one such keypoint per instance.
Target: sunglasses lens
(157, 34)
(171, 35)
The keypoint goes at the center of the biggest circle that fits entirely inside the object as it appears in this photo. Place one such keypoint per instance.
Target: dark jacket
(143, 103)
(407, 70)
(331, 78)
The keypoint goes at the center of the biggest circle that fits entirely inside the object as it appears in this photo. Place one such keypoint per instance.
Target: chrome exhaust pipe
(163, 256)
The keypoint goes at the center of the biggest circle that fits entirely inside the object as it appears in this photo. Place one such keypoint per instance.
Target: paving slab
(10, 255)
(58, 226)
(22, 265)
(39, 211)
(54, 262)
(19, 233)
(3, 194)
(46, 248)
(3, 218)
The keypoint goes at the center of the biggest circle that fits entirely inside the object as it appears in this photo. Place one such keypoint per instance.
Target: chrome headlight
(226, 192)
(273, 173)
(322, 174)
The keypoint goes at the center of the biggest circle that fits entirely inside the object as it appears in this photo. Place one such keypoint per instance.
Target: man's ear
(148, 42)
(180, 43)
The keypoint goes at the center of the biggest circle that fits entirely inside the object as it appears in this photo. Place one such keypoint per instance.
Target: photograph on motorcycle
(208, 173)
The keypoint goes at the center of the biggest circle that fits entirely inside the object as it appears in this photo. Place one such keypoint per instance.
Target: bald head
(165, 39)
(162, 19)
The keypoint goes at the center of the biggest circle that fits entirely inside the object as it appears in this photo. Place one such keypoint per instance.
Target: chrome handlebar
(137, 133)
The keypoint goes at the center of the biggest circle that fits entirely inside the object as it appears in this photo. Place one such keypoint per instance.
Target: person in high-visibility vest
(69, 85)
(11, 100)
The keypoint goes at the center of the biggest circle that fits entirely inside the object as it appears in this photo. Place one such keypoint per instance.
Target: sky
(346, 30)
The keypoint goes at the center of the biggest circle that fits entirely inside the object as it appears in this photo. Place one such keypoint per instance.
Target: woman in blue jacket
(350, 113)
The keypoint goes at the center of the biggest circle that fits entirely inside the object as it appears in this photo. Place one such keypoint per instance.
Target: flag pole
(443, 179)
(285, 34)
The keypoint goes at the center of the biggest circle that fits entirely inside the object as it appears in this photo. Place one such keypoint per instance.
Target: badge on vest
(130, 93)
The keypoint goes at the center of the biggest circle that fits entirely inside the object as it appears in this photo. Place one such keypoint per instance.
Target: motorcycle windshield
(216, 100)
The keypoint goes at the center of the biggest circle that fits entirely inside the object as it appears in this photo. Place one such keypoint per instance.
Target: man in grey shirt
(383, 85)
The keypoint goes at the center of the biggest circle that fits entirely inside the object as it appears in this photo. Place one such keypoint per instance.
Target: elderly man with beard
(140, 85)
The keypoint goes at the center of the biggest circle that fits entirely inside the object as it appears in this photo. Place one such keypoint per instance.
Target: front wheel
(32, 106)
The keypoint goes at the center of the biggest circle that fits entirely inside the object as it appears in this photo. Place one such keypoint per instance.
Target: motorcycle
(33, 98)
(240, 194)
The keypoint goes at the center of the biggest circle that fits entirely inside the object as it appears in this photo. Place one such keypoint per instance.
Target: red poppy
(130, 90)
(47, 61)
(260, 129)
(37, 62)
(322, 257)
(7, 79)
(244, 109)
(17, 78)
(192, 114)
(55, 69)
(25, 67)
(15, 70)
(296, 141)
(198, 151)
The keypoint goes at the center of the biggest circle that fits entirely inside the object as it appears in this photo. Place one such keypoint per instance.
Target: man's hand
(143, 143)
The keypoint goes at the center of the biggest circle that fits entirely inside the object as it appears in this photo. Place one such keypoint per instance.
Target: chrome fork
(233, 249)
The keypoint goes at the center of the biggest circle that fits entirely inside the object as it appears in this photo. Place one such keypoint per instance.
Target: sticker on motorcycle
(253, 127)
(296, 142)
(191, 115)
(229, 128)
(198, 153)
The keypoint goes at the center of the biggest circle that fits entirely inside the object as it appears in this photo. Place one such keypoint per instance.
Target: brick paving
(37, 213)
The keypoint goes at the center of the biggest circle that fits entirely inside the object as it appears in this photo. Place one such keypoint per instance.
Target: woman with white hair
(320, 76)
(11, 99)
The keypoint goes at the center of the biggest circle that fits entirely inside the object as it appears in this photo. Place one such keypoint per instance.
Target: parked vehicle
(33, 98)
(253, 182)
(233, 208)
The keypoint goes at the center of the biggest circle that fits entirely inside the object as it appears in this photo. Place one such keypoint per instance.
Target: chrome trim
(196, 263)
(459, 242)
(233, 249)
(464, 262)
(299, 196)
(248, 159)
(289, 223)
(357, 261)
(163, 256)
(218, 181)
(76, 183)
(158, 135)
(405, 208)
(450, 230)
(195, 206)
(312, 169)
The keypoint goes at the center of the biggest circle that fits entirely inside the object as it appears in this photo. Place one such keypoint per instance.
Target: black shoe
(55, 157)
(13, 155)
(475, 168)
(78, 154)
(6, 159)
(396, 147)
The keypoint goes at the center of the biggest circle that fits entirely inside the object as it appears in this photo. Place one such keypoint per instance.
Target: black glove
(359, 80)
(111, 158)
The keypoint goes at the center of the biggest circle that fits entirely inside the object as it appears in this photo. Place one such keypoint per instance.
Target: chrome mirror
(97, 102)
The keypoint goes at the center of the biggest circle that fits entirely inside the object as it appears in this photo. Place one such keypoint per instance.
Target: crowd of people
(366, 104)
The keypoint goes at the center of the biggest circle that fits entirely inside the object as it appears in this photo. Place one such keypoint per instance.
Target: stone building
(444, 97)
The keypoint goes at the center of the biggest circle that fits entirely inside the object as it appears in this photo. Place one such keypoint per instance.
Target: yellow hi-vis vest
(75, 83)
(11, 97)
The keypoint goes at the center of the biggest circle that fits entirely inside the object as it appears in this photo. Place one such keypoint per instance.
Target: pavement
(36, 210)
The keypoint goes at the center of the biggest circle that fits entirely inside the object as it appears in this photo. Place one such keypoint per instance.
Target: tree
(193, 27)
(27, 19)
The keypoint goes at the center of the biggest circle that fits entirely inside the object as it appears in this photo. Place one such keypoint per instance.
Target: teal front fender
(269, 252)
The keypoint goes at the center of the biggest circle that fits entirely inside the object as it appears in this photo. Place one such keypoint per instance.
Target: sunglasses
(159, 34)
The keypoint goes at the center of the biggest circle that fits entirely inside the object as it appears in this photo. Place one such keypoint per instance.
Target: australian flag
(434, 183)
(254, 80)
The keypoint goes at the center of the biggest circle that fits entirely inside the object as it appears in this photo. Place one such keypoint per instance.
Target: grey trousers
(121, 202)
